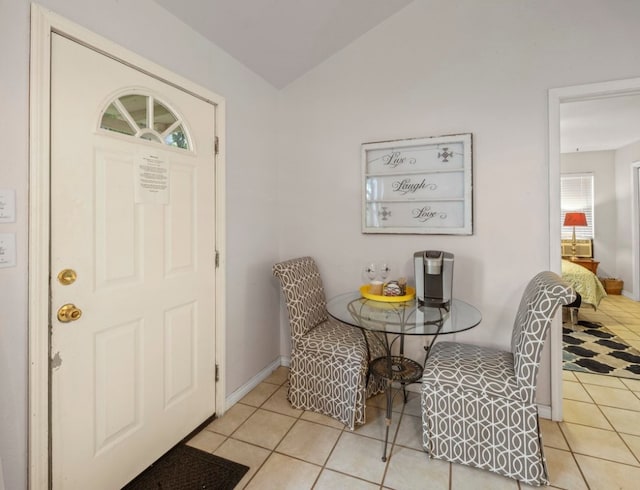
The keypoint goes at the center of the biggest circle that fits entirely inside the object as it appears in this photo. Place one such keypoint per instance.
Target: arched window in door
(145, 117)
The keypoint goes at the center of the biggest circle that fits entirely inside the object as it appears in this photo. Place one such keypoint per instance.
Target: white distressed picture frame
(418, 186)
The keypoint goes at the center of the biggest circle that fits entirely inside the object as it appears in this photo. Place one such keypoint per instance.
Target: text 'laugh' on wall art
(418, 186)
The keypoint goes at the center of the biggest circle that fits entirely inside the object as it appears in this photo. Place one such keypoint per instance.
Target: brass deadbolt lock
(67, 276)
(69, 313)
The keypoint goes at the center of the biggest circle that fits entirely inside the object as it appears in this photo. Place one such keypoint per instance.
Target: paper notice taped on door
(152, 179)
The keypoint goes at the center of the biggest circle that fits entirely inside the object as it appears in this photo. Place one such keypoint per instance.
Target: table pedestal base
(399, 369)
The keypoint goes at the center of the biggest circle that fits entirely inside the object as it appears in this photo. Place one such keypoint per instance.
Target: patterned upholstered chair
(329, 360)
(478, 403)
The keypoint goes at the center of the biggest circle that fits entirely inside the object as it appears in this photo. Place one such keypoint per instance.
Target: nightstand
(586, 262)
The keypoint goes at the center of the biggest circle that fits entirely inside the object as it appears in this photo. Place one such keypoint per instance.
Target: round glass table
(392, 322)
(406, 318)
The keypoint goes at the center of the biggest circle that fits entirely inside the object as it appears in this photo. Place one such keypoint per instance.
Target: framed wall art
(418, 186)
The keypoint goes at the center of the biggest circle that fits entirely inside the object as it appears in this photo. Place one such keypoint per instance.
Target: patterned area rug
(590, 347)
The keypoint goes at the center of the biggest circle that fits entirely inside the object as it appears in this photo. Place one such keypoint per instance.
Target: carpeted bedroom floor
(606, 341)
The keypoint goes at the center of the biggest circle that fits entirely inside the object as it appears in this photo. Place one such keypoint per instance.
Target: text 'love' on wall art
(418, 186)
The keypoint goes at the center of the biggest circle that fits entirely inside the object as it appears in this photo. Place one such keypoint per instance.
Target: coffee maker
(434, 278)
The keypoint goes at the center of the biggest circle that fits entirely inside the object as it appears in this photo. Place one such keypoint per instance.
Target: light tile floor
(597, 446)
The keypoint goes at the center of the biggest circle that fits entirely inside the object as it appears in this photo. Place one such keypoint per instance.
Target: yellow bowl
(411, 293)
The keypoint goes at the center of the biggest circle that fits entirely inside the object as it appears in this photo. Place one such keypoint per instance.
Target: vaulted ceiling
(281, 40)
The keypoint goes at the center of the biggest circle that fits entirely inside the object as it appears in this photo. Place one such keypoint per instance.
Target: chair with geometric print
(328, 372)
(479, 404)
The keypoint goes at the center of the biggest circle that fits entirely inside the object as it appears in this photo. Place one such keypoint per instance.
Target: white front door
(132, 215)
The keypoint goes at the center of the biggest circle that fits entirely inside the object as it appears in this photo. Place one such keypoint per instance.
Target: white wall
(13, 281)
(252, 305)
(442, 67)
(624, 158)
(602, 165)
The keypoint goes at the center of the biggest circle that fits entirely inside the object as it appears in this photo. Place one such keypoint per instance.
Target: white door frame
(635, 230)
(558, 96)
(43, 23)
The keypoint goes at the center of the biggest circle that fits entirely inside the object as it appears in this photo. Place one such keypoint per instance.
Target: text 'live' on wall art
(418, 186)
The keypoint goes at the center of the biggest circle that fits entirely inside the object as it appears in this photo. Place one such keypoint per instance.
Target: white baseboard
(544, 411)
(628, 294)
(237, 395)
(414, 387)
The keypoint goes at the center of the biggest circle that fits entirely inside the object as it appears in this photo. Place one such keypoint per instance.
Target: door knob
(67, 276)
(69, 313)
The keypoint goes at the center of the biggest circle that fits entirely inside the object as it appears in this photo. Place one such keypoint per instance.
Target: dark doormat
(590, 347)
(187, 468)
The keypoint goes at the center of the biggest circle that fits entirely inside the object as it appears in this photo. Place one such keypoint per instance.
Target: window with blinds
(576, 195)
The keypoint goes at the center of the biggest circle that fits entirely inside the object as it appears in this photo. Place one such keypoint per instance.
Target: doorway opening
(558, 97)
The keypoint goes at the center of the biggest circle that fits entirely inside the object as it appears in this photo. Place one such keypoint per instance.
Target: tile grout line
(271, 451)
(275, 449)
(255, 409)
(584, 385)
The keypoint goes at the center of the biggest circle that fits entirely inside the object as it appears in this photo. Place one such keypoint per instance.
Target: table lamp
(574, 219)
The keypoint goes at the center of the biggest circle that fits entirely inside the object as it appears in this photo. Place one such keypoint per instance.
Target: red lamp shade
(575, 219)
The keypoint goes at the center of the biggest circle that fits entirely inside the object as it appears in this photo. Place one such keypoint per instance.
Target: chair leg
(570, 315)
(574, 315)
